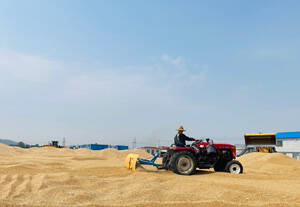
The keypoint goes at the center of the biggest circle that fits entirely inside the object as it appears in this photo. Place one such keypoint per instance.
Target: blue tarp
(103, 146)
(122, 147)
(119, 147)
(287, 135)
(98, 146)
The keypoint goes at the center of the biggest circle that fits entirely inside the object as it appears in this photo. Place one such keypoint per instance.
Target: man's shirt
(180, 139)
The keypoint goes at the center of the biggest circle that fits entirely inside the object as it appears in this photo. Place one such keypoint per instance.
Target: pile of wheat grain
(53, 177)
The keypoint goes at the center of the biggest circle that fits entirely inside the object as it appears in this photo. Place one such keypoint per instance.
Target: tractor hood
(223, 146)
(219, 145)
(203, 144)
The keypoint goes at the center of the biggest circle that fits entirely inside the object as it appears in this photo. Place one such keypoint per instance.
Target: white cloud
(70, 94)
(109, 81)
(26, 67)
(177, 61)
(103, 83)
(70, 81)
(148, 83)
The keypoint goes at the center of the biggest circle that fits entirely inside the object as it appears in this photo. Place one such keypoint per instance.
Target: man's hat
(180, 128)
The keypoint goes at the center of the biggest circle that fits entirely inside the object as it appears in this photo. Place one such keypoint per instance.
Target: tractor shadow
(148, 169)
(151, 169)
(204, 172)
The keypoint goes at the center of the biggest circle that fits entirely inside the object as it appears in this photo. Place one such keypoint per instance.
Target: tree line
(24, 145)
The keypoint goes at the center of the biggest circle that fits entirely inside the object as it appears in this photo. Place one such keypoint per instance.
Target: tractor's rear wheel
(183, 163)
(165, 162)
(234, 167)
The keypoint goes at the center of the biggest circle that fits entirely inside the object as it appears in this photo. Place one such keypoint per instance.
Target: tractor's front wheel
(183, 163)
(234, 167)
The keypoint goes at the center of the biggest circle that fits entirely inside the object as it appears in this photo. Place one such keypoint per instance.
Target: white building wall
(289, 145)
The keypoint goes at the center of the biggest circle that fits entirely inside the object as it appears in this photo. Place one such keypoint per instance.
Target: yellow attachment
(264, 149)
(260, 139)
(261, 134)
(131, 161)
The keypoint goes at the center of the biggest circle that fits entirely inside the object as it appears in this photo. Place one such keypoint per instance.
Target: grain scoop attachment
(133, 160)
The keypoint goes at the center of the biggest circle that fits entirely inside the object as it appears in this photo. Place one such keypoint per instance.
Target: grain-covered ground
(63, 177)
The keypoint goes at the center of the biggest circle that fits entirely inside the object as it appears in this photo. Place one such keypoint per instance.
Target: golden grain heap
(55, 177)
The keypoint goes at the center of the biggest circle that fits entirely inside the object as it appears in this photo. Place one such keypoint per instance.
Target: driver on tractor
(180, 138)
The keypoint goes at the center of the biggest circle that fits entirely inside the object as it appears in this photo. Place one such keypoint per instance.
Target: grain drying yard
(55, 177)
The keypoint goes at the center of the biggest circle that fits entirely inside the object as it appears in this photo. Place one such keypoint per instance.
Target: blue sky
(109, 71)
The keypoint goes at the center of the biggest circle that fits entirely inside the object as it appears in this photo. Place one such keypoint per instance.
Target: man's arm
(188, 138)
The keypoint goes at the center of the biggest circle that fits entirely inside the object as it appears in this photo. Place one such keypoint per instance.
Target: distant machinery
(53, 143)
(154, 150)
(259, 143)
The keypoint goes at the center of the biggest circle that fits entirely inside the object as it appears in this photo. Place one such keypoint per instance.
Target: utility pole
(134, 143)
(64, 142)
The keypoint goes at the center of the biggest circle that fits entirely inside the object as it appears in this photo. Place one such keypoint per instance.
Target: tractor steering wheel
(197, 142)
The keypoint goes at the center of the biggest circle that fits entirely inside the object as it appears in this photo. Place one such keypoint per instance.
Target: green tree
(21, 144)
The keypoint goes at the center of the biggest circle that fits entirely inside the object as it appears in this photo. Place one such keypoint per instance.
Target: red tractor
(202, 155)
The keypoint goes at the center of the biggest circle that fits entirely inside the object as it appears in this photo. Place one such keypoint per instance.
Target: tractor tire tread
(233, 162)
(174, 158)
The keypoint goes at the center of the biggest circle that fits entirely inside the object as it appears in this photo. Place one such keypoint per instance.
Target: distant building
(153, 150)
(101, 146)
(93, 146)
(288, 143)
